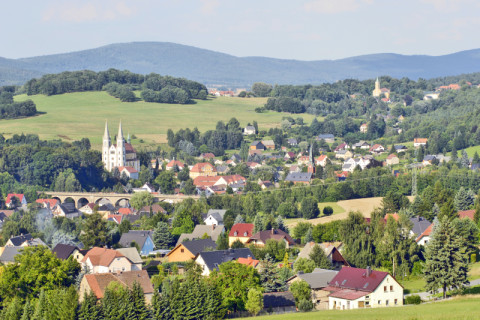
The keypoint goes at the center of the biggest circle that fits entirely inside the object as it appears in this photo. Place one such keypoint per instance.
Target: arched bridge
(83, 198)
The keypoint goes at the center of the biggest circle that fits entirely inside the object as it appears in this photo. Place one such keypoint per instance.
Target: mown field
(73, 116)
(465, 308)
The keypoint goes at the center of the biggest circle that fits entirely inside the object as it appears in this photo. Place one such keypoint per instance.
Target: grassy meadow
(72, 116)
(456, 308)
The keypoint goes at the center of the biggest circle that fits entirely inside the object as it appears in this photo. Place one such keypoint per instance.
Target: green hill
(73, 116)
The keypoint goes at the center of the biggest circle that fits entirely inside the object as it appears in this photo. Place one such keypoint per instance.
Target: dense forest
(120, 84)
(10, 109)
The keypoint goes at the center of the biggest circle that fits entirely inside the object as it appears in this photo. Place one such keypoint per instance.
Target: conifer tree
(162, 238)
(454, 157)
(476, 158)
(89, 310)
(257, 224)
(140, 310)
(222, 242)
(40, 307)
(465, 161)
(308, 236)
(254, 301)
(238, 219)
(14, 310)
(269, 275)
(446, 263)
(28, 310)
(320, 258)
(464, 199)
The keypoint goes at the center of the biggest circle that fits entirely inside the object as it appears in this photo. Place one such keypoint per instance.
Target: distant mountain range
(216, 69)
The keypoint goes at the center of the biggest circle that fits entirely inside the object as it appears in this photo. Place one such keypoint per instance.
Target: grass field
(457, 308)
(470, 151)
(73, 116)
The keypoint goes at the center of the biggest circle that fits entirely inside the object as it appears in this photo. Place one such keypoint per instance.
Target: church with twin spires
(120, 155)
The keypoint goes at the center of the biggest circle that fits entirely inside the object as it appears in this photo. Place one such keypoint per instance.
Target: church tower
(377, 91)
(120, 152)
(106, 147)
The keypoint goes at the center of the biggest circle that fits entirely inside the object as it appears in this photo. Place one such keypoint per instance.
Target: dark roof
(18, 240)
(278, 300)
(215, 258)
(197, 246)
(139, 236)
(299, 176)
(319, 278)
(156, 208)
(131, 217)
(400, 147)
(326, 136)
(218, 214)
(275, 234)
(2, 216)
(419, 225)
(63, 251)
(357, 279)
(9, 253)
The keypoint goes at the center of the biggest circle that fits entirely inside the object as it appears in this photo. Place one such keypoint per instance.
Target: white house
(249, 130)
(214, 217)
(102, 260)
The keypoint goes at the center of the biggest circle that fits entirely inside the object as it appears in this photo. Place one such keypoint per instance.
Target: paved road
(428, 295)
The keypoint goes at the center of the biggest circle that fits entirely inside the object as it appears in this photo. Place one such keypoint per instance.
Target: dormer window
(235, 234)
(245, 234)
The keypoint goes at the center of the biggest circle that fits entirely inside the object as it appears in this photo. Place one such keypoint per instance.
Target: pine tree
(464, 199)
(320, 258)
(465, 161)
(447, 209)
(257, 224)
(280, 224)
(40, 307)
(420, 154)
(476, 158)
(89, 310)
(222, 242)
(414, 182)
(454, 157)
(238, 219)
(254, 301)
(269, 276)
(28, 310)
(140, 310)
(446, 263)
(308, 236)
(162, 238)
(14, 310)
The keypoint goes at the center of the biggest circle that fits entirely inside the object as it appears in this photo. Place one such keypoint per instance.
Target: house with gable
(210, 260)
(260, 238)
(241, 232)
(188, 250)
(201, 231)
(299, 177)
(203, 169)
(175, 163)
(143, 238)
(8, 254)
(377, 149)
(355, 288)
(362, 145)
(102, 260)
(321, 160)
(214, 217)
(424, 237)
(419, 225)
(269, 144)
(257, 145)
(248, 130)
(392, 159)
(19, 196)
(65, 251)
(417, 142)
(364, 128)
(343, 154)
(19, 241)
(130, 172)
(292, 142)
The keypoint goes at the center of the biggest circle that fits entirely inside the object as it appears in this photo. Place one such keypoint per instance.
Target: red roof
(172, 164)
(252, 164)
(248, 261)
(393, 155)
(129, 169)
(321, 158)
(208, 155)
(466, 214)
(129, 148)
(51, 202)
(116, 217)
(341, 147)
(201, 167)
(102, 256)
(205, 181)
(241, 228)
(356, 279)
(348, 294)
(125, 211)
(11, 195)
(393, 215)
(375, 146)
(420, 140)
(425, 233)
(235, 178)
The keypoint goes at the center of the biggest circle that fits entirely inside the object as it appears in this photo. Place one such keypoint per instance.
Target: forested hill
(210, 67)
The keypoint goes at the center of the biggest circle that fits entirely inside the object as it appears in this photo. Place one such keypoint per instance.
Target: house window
(245, 234)
(395, 301)
(235, 234)
(379, 302)
(182, 251)
(391, 288)
(386, 302)
(385, 289)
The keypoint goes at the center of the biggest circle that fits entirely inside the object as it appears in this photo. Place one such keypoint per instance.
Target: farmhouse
(241, 232)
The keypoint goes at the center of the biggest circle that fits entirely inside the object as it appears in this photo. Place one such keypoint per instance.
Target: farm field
(73, 116)
(457, 308)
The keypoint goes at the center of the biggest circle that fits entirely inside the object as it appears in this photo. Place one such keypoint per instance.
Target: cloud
(335, 6)
(75, 11)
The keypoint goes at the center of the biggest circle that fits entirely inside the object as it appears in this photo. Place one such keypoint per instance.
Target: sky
(287, 29)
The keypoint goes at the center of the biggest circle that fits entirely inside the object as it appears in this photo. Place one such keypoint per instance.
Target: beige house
(241, 232)
(343, 154)
(317, 280)
(102, 260)
(355, 288)
(392, 160)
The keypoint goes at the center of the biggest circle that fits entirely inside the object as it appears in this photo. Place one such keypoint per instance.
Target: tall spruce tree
(89, 310)
(465, 161)
(257, 224)
(464, 199)
(28, 310)
(162, 238)
(269, 275)
(446, 262)
(139, 310)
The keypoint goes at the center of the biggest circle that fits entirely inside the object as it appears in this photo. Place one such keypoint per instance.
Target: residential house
(260, 238)
(130, 172)
(331, 251)
(102, 260)
(175, 163)
(8, 254)
(269, 144)
(98, 283)
(343, 154)
(400, 148)
(362, 145)
(253, 165)
(19, 241)
(200, 231)
(303, 160)
(257, 145)
(88, 208)
(248, 130)
(222, 169)
(188, 250)
(143, 238)
(132, 255)
(125, 211)
(214, 217)
(67, 210)
(249, 261)
(265, 184)
(321, 160)
(341, 146)
(428, 160)
(392, 159)
(424, 237)
(377, 149)
(417, 142)
(354, 288)
(467, 214)
(364, 128)
(292, 142)
(278, 302)
(317, 280)
(207, 156)
(419, 225)
(350, 164)
(241, 232)
(153, 209)
(65, 251)
(47, 203)
(299, 177)
(210, 260)
(327, 137)
(431, 95)
(206, 181)
(203, 169)
(19, 196)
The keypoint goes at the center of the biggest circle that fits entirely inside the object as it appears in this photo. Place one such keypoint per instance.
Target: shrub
(327, 210)
(473, 258)
(413, 299)
(305, 305)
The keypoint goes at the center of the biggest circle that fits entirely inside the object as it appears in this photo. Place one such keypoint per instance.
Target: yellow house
(240, 231)
(203, 169)
(188, 250)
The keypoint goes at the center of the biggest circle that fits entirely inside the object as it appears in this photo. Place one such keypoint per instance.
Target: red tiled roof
(248, 261)
(52, 202)
(321, 158)
(393, 155)
(200, 167)
(357, 279)
(116, 217)
(125, 211)
(101, 256)
(208, 155)
(235, 178)
(393, 215)
(205, 181)
(466, 214)
(172, 164)
(129, 148)
(11, 195)
(376, 146)
(98, 282)
(129, 169)
(348, 294)
(241, 228)
(420, 140)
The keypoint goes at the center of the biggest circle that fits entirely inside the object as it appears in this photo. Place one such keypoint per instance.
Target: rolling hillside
(215, 68)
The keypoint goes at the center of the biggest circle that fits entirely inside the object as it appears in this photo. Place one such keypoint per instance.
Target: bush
(413, 299)
(473, 258)
(327, 210)
(305, 305)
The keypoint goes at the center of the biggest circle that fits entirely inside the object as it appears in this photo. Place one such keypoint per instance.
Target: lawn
(457, 308)
(72, 116)
(470, 151)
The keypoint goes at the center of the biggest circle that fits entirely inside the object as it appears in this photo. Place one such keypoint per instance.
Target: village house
(327, 137)
(8, 254)
(377, 149)
(175, 163)
(102, 260)
(67, 210)
(257, 145)
(153, 209)
(19, 241)
(202, 231)
(248, 130)
(392, 159)
(65, 251)
(203, 169)
(89, 208)
(260, 238)
(317, 280)
(132, 255)
(343, 154)
(249, 261)
(143, 238)
(400, 148)
(253, 165)
(269, 144)
(354, 288)
(364, 128)
(210, 260)
(292, 142)
(341, 146)
(350, 164)
(331, 251)
(188, 250)
(303, 160)
(241, 232)
(265, 184)
(214, 217)
(419, 225)
(424, 237)
(299, 177)
(321, 160)
(22, 201)
(47, 203)
(361, 145)
(98, 283)
(431, 96)
(130, 172)
(417, 142)
(207, 156)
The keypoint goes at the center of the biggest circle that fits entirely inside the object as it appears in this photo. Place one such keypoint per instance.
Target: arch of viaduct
(82, 198)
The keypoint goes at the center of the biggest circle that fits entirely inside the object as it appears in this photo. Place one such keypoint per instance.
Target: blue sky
(289, 29)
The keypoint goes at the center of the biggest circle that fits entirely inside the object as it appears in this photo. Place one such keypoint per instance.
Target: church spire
(106, 135)
(120, 132)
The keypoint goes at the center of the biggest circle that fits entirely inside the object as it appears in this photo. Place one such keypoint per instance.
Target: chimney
(369, 271)
(273, 231)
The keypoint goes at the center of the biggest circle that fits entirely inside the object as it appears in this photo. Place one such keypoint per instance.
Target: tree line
(11, 110)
